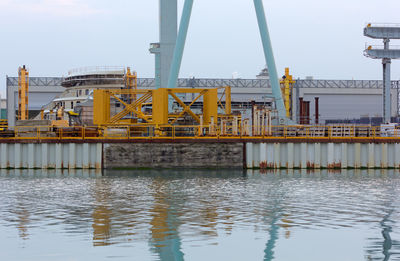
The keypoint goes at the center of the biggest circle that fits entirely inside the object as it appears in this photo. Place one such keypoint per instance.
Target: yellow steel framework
(131, 83)
(158, 99)
(3, 124)
(287, 91)
(23, 90)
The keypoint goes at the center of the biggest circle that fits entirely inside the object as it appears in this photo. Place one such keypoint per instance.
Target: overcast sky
(321, 38)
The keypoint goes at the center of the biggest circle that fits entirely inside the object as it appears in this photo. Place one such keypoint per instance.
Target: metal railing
(144, 132)
(95, 69)
(382, 25)
(3, 124)
(380, 47)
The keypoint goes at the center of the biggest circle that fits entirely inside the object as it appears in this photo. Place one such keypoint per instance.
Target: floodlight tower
(385, 32)
(164, 50)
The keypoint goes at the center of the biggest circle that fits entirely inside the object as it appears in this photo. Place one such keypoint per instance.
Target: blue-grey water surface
(199, 215)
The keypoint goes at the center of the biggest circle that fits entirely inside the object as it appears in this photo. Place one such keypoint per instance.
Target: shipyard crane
(168, 12)
(164, 49)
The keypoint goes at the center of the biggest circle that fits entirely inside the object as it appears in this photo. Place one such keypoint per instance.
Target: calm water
(199, 215)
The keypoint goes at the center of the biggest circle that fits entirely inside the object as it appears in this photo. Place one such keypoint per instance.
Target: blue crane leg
(269, 57)
(158, 71)
(180, 44)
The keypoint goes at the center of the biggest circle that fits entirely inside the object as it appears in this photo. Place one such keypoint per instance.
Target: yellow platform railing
(145, 131)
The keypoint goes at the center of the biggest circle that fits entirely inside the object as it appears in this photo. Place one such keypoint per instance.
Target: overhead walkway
(386, 32)
(379, 52)
(382, 31)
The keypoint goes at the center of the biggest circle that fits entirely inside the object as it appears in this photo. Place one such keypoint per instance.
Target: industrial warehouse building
(338, 99)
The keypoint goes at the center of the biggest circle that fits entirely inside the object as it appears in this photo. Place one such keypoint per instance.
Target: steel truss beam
(147, 83)
(159, 102)
(186, 108)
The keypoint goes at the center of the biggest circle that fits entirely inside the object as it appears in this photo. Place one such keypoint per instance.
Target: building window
(87, 92)
(72, 105)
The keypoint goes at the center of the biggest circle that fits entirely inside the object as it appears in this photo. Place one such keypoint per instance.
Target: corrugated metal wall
(348, 106)
(311, 155)
(51, 155)
(322, 155)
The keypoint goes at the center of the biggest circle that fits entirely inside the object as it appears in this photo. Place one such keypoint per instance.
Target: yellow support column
(160, 106)
(228, 100)
(101, 107)
(210, 106)
(131, 84)
(287, 91)
(23, 90)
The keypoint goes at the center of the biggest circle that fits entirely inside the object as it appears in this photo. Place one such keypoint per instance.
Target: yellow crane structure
(159, 115)
(23, 91)
(287, 91)
(131, 83)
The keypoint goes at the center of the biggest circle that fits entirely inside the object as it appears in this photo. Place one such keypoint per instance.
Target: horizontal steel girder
(382, 32)
(215, 83)
(382, 53)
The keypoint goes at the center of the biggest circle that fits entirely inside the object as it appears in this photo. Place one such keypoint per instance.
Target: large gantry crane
(167, 13)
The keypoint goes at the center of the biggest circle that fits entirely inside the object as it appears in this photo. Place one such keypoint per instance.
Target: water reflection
(51, 173)
(102, 214)
(165, 238)
(387, 243)
(23, 221)
(175, 211)
(385, 247)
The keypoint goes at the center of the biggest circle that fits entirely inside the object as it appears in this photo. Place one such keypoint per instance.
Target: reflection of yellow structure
(211, 217)
(228, 220)
(164, 225)
(287, 91)
(286, 224)
(23, 220)
(159, 223)
(101, 226)
(101, 218)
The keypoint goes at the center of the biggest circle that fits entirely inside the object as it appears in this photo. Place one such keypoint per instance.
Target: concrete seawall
(173, 155)
(98, 154)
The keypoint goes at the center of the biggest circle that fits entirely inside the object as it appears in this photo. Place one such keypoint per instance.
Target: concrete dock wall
(168, 155)
(51, 155)
(322, 155)
(194, 154)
